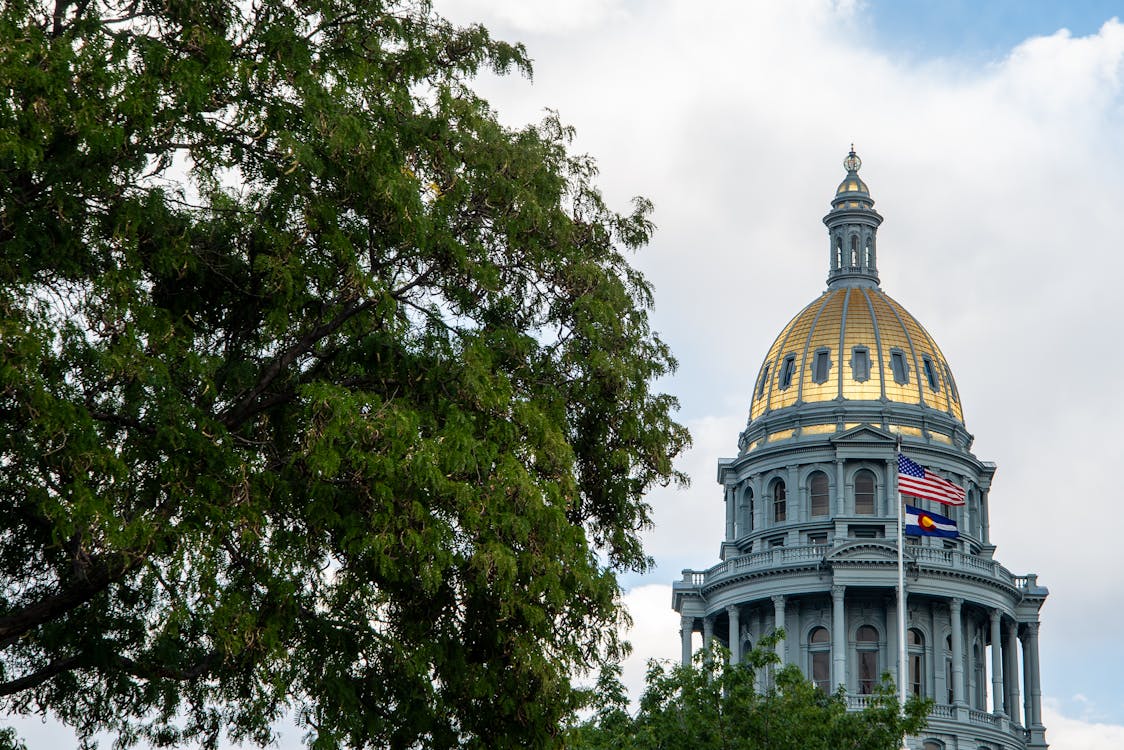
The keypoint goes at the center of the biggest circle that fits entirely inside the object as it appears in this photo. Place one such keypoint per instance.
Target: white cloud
(536, 16)
(1001, 187)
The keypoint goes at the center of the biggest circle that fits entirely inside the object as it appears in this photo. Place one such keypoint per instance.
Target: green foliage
(711, 705)
(322, 390)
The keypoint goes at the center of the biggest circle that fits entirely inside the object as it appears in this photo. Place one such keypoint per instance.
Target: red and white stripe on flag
(917, 481)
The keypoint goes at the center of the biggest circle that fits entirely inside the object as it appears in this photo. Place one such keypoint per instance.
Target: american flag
(917, 481)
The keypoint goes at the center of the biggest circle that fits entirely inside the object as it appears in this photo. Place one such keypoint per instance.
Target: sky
(992, 140)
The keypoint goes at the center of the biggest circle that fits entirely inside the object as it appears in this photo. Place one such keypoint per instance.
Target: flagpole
(902, 668)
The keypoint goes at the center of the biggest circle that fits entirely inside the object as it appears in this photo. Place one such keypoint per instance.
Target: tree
(712, 705)
(322, 391)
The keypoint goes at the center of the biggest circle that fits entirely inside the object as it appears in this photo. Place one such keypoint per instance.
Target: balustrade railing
(811, 553)
(983, 717)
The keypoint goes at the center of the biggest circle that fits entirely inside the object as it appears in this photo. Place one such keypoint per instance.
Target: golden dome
(854, 343)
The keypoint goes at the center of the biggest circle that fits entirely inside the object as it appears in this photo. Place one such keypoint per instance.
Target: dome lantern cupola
(852, 226)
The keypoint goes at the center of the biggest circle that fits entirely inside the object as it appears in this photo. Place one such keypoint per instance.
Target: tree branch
(38, 678)
(98, 576)
(237, 413)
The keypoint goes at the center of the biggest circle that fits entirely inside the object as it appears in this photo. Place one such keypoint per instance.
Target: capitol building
(810, 542)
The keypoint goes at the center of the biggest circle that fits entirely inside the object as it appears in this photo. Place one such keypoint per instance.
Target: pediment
(865, 434)
(867, 551)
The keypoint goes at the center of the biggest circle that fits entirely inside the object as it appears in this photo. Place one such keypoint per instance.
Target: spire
(852, 226)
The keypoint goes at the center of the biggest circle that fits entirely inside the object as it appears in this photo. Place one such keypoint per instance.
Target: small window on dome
(899, 367)
(821, 367)
(931, 374)
(764, 381)
(860, 364)
(787, 368)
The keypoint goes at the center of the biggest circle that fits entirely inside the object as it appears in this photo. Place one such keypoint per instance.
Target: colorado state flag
(923, 523)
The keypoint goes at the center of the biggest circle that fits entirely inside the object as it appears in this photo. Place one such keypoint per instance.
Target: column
(1032, 669)
(839, 487)
(735, 634)
(838, 638)
(731, 506)
(997, 697)
(957, 652)
(708, 635)
(1013, 671)
(686, 628)
(778, 624)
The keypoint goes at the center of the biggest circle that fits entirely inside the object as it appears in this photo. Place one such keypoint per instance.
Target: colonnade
(1005, 637)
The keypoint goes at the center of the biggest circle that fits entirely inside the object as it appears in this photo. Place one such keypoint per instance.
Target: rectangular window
(931, 375)
(899, 367)
(821, 670)
(819, 490)
(865, 532)
(868, 671)
(787, 368)
(776, 542)
(821, 366)
(860, 364)
(915, 674)
(819, 537)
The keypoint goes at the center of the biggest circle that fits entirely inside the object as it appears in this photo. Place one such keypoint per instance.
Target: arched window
(838, 252)
(819, 655)
(818, 490)
(916, 642)
(932, 745)
(780, 502)
(866, 653)
(854, 251)
(748, 513)
(864, 493)
(869, 253)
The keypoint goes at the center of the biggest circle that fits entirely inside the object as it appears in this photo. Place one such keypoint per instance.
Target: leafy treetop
(322, 390)
(712, 705)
